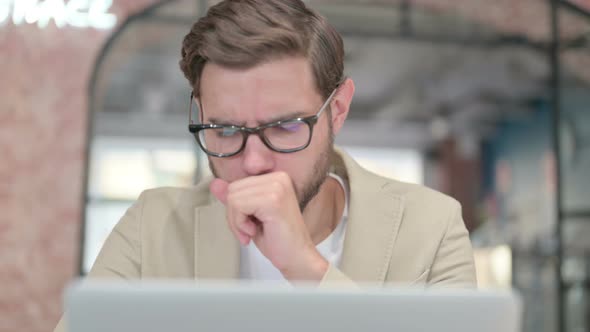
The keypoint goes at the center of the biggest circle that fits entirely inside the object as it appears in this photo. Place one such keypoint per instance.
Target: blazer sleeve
(453, 264)
(334, 278)
(120, 256)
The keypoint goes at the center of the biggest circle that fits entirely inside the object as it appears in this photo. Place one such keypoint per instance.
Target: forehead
(258, 93)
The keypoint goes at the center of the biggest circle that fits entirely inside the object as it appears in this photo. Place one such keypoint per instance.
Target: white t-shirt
(254, 266)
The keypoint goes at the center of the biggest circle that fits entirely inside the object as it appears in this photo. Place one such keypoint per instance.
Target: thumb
(218, 188)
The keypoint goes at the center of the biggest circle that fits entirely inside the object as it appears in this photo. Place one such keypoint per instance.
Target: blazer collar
(375, 213)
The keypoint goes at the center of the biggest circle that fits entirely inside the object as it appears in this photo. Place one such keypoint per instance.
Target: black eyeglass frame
(195, 128)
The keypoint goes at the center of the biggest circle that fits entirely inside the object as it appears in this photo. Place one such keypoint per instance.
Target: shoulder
(423, 208)
(416, 195)
(413, 196)
(177, 197)
(425, 205)
(172, 205)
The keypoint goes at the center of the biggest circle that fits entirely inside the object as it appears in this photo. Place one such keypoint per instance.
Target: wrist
(312, 269)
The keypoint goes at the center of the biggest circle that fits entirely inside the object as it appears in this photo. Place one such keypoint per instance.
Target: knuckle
(241, 222)
(277, 186)
(230, 198)
(283, 177)
(274, 198)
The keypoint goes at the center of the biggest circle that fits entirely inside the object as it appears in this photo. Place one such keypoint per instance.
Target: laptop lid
(93, 306)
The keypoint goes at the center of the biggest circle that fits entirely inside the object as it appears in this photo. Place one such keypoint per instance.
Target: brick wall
(43, 112)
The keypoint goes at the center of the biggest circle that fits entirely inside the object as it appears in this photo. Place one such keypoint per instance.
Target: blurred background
(484, 100)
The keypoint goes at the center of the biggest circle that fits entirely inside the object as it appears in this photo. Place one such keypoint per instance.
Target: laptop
(157, 306)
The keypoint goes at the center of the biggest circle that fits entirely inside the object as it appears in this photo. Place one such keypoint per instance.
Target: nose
(257, 157)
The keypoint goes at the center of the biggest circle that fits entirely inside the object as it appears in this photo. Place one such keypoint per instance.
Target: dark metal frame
(556, 124)
(561, 215)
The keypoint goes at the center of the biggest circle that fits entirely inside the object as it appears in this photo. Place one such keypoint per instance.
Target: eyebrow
(282, 117)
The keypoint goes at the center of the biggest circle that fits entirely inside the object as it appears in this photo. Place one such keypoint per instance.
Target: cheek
(321, 133)
(299, 165)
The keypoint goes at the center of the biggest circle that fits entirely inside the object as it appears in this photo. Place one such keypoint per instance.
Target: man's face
(277, 90)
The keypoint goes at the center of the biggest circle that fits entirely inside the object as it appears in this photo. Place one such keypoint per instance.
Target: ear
(340, 104)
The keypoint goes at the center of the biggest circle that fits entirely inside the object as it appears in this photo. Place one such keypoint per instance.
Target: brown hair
(245, 33)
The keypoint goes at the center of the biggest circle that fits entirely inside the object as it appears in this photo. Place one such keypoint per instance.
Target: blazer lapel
(374, 219)
(217, 251)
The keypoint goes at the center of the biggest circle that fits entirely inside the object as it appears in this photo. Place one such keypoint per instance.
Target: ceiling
(422, 70)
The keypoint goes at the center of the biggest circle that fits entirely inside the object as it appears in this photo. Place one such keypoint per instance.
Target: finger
(264, 206)
(242, 236)
(270, 188)
(276, 180)
(247, 226)
(219, 189)
(243, 223)
(231, 225)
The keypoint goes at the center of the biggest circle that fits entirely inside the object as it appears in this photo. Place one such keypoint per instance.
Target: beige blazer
(396, 233)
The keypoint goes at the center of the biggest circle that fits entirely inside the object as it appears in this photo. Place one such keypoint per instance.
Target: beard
(319, 173)
(318, 176)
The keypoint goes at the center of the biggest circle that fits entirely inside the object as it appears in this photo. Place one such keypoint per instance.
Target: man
(267, 77)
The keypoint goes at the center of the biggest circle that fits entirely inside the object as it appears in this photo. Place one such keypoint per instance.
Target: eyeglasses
(283, 136)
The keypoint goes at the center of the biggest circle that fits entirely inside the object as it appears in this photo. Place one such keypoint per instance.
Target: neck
(324, 211)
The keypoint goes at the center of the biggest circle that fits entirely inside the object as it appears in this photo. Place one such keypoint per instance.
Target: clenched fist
(264, 209)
